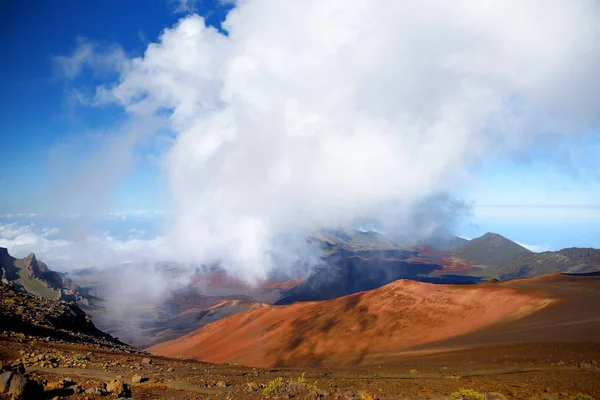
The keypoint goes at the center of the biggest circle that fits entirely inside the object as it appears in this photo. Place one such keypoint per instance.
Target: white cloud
(97, 58)
(536, 248)
(99, 250)
(184, 6)
(313, 113)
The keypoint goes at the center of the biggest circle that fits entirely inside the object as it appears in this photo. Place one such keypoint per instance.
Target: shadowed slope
(490, 249)
(344, 330)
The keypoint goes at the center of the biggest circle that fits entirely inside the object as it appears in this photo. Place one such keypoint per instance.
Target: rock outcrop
(25, 314)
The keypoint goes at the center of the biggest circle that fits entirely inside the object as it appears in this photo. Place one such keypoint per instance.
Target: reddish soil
(348, 330)
(550, 354)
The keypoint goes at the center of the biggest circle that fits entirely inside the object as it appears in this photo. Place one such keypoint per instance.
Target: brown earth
(550, 354)
(547, 371)
(347, 330)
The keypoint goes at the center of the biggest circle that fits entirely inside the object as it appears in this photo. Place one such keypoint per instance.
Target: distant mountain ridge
(490, 249)
(354, 239)
(572, 260)
(32, 276)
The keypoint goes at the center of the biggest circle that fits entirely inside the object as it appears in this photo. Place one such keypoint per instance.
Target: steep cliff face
(7, 268)
(33, 276)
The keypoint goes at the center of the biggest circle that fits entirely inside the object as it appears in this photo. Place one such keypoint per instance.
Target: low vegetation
(581, 397)
(273, 387)
(304, 382)
(467, 394)
(278, 385)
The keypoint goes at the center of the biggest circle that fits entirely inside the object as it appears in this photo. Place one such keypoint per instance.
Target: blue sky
(39, 115)
(545, 194)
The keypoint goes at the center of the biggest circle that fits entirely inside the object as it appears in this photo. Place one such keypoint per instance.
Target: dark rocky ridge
(572, 260)
(25, 314)
(33, 276)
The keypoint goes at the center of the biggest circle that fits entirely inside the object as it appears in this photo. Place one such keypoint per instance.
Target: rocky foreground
(52, 370)
(49, 349)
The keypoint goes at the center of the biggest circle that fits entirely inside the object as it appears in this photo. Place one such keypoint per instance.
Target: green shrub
(581, 397)
(273, 387)
(467, 394)
(304, 382)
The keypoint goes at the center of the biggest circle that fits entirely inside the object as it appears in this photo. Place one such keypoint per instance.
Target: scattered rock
(221, 384)
(138, 379)
(251, 387)
(63, 383)
(323, 393)
(585, 365)
(94, 390)
(147, 361)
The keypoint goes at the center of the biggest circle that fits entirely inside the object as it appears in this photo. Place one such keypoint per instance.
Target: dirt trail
(108, 376)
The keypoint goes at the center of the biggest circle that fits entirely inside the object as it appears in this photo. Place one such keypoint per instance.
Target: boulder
(146, 361)
(17, 385)
(77, 389)
(21, 387)
(5, 381)
(119, 388)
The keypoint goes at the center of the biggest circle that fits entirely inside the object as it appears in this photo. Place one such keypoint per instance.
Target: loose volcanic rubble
(24, 315)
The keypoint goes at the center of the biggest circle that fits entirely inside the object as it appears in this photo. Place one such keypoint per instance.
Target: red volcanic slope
(397, 316)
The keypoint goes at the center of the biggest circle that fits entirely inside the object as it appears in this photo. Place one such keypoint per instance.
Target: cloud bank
(314, 114)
